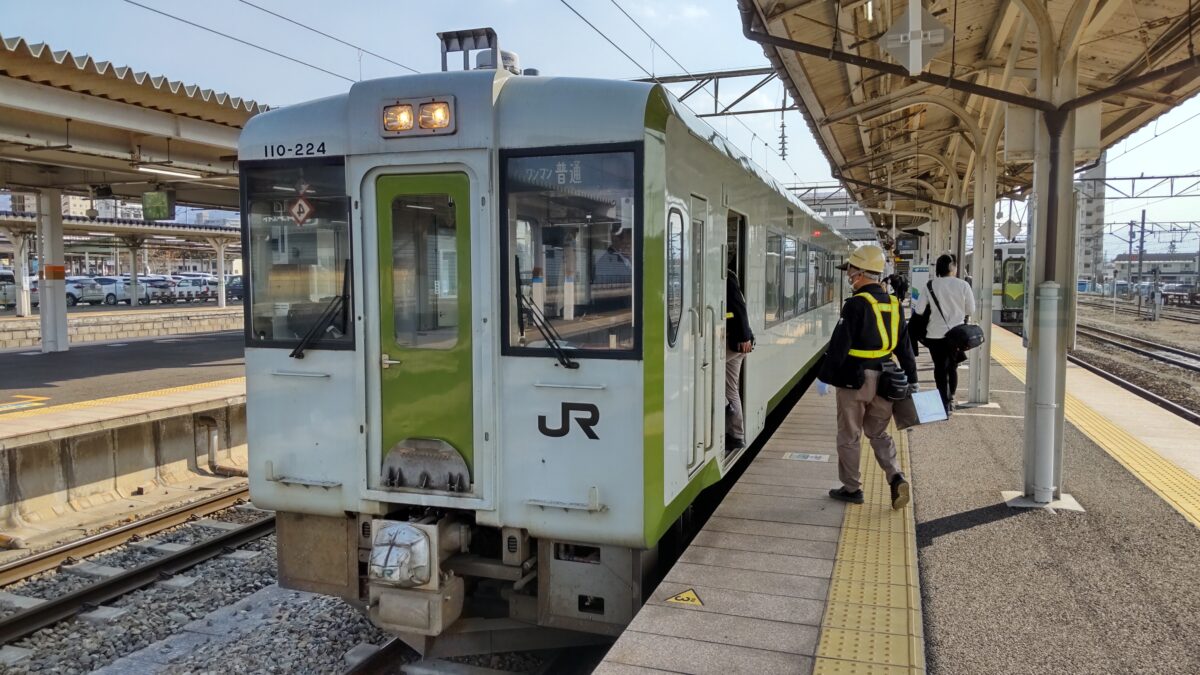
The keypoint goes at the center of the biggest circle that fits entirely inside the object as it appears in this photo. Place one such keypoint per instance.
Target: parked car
(9, 290)
(83, 289)
(194, 289)
(234, 288)
(116, 290)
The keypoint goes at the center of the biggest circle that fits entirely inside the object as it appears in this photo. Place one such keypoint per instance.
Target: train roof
(523, 111)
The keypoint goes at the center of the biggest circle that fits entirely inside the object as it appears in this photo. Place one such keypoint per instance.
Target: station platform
(95, 324)
(31, 379)
(783, 579)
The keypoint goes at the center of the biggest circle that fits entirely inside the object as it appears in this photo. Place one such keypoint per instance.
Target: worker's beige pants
(734, 422)
(862, 411)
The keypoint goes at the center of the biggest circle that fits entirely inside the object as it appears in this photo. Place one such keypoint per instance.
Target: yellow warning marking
(872, 621)
(100, 402)
(687, 597)
(25, 401)
(1180, 489)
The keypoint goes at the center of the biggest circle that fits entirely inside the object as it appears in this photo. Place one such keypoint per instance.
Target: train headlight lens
(400, 555)
(435, 115)
(398, 117)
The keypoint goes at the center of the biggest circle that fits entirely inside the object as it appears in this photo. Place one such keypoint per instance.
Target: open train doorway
(735, 263)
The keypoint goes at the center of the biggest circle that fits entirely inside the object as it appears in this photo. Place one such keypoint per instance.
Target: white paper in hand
(822, 388)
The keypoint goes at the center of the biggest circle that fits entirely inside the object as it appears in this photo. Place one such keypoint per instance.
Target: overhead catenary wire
(331, 37)
(239, 40)
(671, 56)
(651, 75)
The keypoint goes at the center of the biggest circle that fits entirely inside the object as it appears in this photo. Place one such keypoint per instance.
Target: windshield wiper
(324, 323)
(543, 325)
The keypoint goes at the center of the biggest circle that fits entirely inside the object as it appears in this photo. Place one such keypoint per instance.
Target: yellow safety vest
(889, 343)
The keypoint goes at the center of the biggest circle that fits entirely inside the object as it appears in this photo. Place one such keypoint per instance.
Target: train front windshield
(572, 245)
(297, 247)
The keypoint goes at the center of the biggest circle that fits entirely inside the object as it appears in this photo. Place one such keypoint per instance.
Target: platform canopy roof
(881, 128)
(76, 124)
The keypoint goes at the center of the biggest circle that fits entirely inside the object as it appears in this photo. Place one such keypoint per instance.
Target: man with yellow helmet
(871, 329)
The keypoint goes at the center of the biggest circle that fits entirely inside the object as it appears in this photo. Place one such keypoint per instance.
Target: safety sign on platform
(687, 597)
(805, 457)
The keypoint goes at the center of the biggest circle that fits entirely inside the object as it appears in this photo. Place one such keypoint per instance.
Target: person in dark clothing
(739, 341)
(954, 303)
(871, 329)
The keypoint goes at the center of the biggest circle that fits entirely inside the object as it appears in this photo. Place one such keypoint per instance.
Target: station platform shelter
(784, 579)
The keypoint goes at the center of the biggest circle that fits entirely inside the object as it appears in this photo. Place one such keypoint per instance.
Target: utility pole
(1128, 260)
(1141, 259)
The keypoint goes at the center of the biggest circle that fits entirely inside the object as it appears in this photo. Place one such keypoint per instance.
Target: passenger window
(674, 274)
(425, 271)
(772, 313)
(793, 286)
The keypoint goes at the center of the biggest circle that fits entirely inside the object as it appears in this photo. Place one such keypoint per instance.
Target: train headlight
(400, 554)
(435, 115)
(398, 117)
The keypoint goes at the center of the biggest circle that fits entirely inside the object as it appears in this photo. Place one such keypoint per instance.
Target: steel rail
(1138, 350)
(382, 660)
(1147, 343)
(1169, 406)
(1129, 309)
(23, 568)
(39, 616)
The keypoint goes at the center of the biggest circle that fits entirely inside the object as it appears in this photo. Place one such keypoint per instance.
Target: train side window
(425, 271)
(772, 313)
(674, 274)
(793, 288)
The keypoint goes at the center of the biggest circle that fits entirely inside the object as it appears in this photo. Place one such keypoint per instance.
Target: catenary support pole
(1141, 261)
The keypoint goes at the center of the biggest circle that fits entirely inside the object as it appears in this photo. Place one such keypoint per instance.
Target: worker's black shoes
(842, 494)
(901, 491)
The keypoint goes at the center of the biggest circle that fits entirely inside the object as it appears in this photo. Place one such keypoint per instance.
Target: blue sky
(702, 34)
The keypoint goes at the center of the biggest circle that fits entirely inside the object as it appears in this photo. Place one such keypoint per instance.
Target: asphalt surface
(154, 306)
(1113, 590)
(103, 369)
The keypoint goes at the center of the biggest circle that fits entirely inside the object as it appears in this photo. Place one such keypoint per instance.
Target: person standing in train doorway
(871, 329)
(739, 341)
(953, 302)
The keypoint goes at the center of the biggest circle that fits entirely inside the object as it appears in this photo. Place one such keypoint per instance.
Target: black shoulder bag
(964, 336)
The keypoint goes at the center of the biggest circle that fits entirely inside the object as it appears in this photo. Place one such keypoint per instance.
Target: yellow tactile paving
(100, 402)
(872, 622)
(1177, 487)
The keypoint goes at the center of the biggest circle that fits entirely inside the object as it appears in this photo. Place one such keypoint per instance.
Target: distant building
(1173, 268)
(1089, 235)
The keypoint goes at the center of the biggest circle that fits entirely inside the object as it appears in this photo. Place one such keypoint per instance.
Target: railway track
(1152, 350)
(1154, 398)
(1187, 316)
(28, 621)
(23, 568)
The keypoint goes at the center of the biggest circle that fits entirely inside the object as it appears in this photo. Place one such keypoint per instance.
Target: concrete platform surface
(1112, 589)
(32, 379)
(783, 579)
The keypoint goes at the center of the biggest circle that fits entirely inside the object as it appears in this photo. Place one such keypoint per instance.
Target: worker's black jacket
(737, 327)
(857, 329)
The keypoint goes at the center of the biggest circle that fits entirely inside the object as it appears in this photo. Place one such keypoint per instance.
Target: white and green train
(485, 336)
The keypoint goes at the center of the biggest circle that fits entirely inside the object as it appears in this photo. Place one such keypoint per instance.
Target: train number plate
(306, 149)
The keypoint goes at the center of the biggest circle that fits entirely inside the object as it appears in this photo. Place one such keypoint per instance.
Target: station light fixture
(176, 173)
(398, 117)
(435, 115)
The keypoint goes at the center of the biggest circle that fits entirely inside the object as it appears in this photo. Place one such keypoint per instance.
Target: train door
(702, 317)
(734, 259)
(425, 383)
